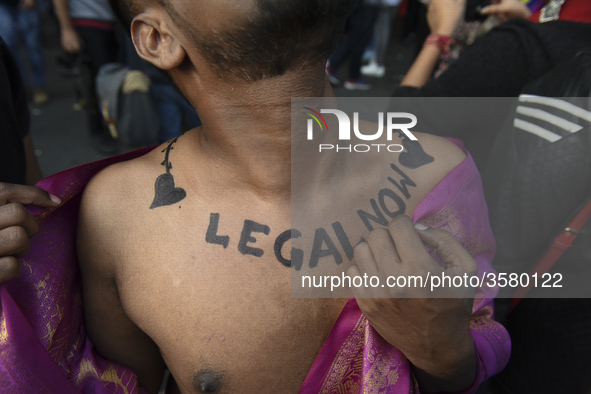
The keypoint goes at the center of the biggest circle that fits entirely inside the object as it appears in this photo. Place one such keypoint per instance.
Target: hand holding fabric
(434, 332)
(17, 225)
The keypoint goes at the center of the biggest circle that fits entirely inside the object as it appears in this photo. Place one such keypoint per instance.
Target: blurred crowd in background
(76, 50)
(63, 48)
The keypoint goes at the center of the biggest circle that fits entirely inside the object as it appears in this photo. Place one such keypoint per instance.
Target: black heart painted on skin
(414, 155)
(166, 193)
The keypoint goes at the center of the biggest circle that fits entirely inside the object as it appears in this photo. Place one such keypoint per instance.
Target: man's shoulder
(442, 149)
(121, 185)
(431, 157)
(114, 198)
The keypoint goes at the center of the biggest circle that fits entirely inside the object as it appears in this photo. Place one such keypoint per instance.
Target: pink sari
(44, 347)
(356, 359)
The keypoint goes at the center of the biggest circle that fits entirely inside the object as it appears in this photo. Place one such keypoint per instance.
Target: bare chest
(213, 286)
(216, 298)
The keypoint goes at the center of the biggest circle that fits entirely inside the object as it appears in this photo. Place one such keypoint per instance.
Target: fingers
(402, 246)
(408, 244)
(400, 250)
(17, 225)
(507, 9)
(391, 249)
(383, 248)
(10, 268)
(14, 241)
(373, 258)
(11, 193)
(501, 11)
(364, 258)
(493, 9)
(451, 252)
(16, 215)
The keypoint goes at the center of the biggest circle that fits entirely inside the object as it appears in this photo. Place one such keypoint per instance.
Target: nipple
(207, 381)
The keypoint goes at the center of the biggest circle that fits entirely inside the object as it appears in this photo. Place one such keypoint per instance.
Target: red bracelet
(441, 42)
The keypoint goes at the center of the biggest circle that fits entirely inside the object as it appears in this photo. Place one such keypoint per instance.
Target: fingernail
(55, 199)
(421, 227)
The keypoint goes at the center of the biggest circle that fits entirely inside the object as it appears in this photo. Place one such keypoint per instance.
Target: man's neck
(247, 128)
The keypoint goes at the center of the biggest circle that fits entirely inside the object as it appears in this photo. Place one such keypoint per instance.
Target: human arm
(422, 68)
(71, 41)
(507, 9)
(498, 64)
(115, 336)
(443, 17)
(17, 225)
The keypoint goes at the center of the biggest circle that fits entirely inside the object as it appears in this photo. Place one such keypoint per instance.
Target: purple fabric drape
(44, 347)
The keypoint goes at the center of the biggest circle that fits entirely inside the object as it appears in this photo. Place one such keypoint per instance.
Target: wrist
(444, 30)
(441, 41)
(451, 370)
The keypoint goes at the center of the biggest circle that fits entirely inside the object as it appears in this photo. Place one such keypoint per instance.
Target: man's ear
(155, 42)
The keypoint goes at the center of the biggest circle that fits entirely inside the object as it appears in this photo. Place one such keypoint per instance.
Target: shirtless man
(162, 287)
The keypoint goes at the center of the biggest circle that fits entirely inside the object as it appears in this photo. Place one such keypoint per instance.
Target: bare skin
(443, 17)
(507, 9)
(204, 306)
(156, 292)
(70, 40)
